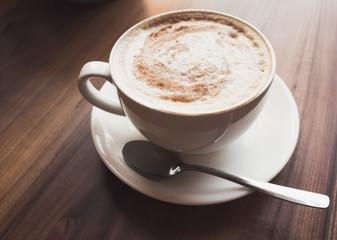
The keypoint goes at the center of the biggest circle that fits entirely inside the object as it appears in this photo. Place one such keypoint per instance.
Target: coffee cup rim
(267, 84)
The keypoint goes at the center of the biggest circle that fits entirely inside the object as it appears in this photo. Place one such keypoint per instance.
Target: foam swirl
(196, 65)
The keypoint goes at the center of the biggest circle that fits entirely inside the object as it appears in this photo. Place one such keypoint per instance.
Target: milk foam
(194, 66)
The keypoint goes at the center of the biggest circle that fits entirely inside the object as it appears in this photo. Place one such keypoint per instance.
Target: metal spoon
(154, 162)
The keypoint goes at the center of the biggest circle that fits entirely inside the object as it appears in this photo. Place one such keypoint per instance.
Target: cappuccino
(193, 63)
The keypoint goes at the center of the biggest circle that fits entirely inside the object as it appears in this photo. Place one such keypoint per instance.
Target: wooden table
(53, 184)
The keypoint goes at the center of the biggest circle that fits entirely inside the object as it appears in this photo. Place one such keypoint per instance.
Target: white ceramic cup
(194, 133)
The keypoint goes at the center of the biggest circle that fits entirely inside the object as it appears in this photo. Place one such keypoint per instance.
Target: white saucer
(260, 153)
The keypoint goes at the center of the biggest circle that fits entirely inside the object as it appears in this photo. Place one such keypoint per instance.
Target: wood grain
(53, 184)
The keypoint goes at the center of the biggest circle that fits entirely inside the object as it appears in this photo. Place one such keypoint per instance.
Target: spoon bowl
(151, 161)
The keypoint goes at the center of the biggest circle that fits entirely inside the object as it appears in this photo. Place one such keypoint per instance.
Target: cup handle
(90, 93)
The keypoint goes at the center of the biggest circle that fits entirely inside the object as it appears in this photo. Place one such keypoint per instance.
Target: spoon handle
(286, 193)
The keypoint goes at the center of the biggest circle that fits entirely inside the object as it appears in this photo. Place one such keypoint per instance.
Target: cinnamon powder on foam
(193, 61)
